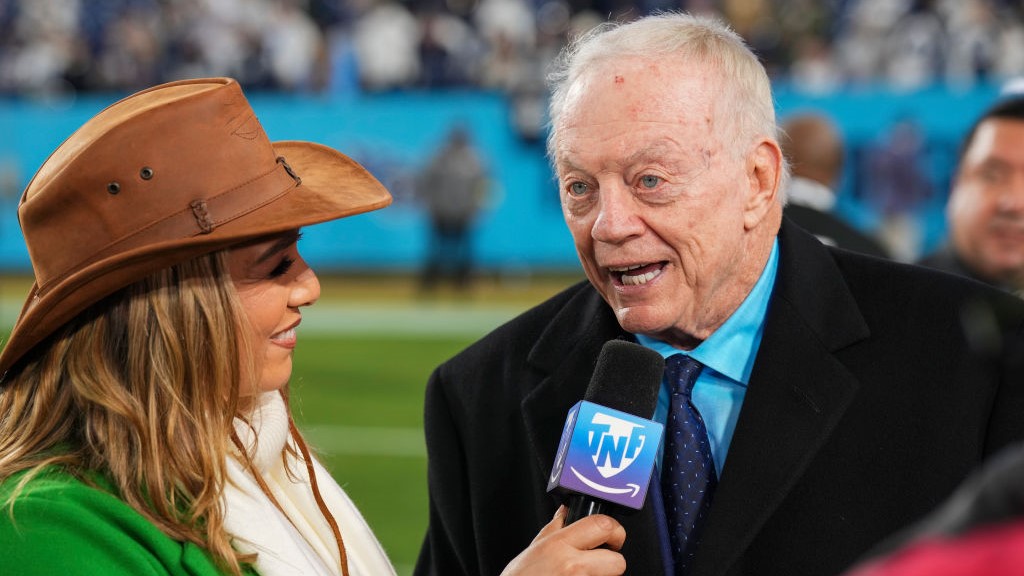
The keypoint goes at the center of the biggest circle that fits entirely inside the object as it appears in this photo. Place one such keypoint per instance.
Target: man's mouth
(636, 274)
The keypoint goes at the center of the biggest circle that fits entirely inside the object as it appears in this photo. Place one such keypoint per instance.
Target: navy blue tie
(688, 476)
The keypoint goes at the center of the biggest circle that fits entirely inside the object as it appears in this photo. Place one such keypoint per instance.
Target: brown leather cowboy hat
(160, 177)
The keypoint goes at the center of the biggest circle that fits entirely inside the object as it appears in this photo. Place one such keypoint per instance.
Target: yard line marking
(415, 319)
(407, 319)
(330, 439)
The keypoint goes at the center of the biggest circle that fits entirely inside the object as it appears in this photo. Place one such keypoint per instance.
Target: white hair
(745, 87)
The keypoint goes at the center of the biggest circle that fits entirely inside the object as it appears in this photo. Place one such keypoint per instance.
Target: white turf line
(330, 439)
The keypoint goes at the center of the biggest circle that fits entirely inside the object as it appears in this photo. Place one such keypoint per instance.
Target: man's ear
(764, 173)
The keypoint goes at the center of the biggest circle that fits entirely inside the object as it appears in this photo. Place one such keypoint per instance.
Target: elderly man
(840, 396)
(986, 204)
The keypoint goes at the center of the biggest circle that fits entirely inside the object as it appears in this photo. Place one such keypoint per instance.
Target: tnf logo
(614, 443)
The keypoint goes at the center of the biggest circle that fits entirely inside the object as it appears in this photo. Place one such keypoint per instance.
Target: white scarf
(300, 541)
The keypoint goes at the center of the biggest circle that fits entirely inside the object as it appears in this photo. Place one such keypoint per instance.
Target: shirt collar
(731, 349)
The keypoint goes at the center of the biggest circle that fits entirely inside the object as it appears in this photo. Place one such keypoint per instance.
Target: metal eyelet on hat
(113, 187)
(146, 173)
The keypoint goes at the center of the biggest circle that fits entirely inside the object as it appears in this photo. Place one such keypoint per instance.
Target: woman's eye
(649, 181)
(282, 267)
(578, 188)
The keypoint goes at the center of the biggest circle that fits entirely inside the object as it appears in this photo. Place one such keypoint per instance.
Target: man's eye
(992, 175)
(649, 181)
(578, 188)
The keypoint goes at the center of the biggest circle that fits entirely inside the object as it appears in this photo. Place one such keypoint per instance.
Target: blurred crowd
(59, 46)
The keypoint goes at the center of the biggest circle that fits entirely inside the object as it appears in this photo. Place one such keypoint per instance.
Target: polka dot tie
(688, 472)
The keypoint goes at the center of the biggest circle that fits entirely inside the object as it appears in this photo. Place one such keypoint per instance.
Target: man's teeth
(638, 279)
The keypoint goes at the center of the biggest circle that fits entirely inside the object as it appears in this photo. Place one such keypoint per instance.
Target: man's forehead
(639, 90)
(996, 137)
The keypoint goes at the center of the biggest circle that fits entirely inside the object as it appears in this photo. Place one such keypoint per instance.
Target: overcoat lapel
(564, 359)
(798, 391)
(565, 356)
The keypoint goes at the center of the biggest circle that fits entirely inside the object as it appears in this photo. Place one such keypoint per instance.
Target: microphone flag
(607, 454)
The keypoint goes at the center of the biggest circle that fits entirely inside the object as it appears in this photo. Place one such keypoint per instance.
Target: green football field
(364, 354)
(359, 401)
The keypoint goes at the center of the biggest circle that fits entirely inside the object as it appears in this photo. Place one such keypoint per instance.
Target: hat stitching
(248, 133)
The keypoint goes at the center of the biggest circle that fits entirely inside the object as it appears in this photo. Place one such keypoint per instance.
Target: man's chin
(639, 320)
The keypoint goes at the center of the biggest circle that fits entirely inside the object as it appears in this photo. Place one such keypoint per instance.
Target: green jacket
(60, 525)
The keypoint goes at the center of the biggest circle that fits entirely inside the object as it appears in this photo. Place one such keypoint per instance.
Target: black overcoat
(877, 388)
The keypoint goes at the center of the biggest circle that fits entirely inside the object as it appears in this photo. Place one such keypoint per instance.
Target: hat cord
(343, 557)
(288, 169)
(324, 510)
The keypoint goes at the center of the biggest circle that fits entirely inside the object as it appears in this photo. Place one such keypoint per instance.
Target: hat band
(200, 216)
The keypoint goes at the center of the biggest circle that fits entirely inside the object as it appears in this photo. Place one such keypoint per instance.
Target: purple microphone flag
(607, 454)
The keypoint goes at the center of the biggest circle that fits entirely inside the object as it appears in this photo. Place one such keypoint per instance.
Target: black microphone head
(627, 377)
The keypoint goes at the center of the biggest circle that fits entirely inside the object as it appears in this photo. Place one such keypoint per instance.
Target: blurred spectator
(452, 188)
(292, 47)
(506, 20)
(387, 41)
(57, 45)
(449, 50)
(914, 48)
(896, 185)
(860, 36)
(130, 50)
(986, 204)
(814, 69)
(814, 148)
(973, 44)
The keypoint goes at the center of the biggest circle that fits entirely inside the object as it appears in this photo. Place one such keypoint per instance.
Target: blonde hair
(142, 386)
(746, 106)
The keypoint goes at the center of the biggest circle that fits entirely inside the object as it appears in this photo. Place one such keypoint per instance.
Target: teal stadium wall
(521, 228)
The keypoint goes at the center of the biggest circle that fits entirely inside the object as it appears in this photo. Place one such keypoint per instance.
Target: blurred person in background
(452, 188)
(985, 209)
(896, 186)
(814, 148)
(824, 381)
(386, 38)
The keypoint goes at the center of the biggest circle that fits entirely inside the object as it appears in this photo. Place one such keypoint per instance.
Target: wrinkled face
(660, 203)
(272, 282)
(986, 205)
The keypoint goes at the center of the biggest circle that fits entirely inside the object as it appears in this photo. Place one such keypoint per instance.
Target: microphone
(609, 444)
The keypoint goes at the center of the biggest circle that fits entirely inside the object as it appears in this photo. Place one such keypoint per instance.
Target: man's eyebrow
(656, 150)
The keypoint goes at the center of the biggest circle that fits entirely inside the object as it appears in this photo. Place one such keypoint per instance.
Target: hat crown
(161, 177)
(115, 185)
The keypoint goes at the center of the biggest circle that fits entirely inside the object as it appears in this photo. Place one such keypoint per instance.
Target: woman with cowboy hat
(144, 423)
(144, 426)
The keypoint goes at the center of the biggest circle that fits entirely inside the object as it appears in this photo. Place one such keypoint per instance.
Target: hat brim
(332, 186)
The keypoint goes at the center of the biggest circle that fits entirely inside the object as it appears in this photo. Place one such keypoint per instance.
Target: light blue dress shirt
(728, 358)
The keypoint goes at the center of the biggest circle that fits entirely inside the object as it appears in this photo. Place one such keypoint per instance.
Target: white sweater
(301, 543)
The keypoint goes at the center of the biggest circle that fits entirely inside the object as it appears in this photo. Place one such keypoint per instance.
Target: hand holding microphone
(587, 547)
(609, 444)
(603, 465)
